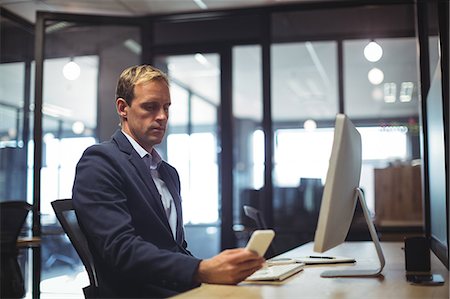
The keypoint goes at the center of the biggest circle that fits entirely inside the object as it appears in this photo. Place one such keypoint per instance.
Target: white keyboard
(276, 272)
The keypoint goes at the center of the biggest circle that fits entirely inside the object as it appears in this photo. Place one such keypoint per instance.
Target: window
(248, 146)
(393, 90)
(302, 154)
(192, 144)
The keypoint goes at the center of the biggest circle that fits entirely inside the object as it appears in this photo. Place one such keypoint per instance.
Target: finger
(247, 268)
(242, 255)
(251, 264)
(233, 250)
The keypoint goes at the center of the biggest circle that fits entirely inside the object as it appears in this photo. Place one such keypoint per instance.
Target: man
(128, 203)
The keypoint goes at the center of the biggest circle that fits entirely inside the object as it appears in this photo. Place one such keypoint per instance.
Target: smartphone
(260, 240)
(425, 279)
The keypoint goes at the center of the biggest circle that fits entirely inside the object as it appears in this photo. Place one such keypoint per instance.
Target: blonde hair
(134, 75)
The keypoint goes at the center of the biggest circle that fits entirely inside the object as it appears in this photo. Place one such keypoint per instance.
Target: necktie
(166, 197)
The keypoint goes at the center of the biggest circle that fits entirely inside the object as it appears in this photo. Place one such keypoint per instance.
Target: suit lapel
(169, 180)
(154, 197)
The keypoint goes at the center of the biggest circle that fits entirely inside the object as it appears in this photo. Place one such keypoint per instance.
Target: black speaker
(417, 254)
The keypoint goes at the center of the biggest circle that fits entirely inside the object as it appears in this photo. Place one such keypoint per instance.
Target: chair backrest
(13, 215)
(256, 215)
(66, 215)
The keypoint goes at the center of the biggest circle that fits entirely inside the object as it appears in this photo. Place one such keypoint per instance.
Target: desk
(27, 242)
(309, 284)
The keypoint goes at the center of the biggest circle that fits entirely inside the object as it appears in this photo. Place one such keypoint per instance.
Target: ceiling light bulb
(310, 125)
(375, 76)
(373, 52)
(71, 71)
(48, 137)
(201, 59)
(78, 127)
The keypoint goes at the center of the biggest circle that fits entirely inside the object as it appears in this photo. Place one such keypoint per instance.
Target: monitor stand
(362, 272)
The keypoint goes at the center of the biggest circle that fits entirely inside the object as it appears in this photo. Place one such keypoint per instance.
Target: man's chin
(155, 141)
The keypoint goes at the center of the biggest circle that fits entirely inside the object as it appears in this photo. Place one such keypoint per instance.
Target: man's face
(146, 118)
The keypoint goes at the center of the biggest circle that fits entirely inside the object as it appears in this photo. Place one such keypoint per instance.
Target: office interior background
(255, 90)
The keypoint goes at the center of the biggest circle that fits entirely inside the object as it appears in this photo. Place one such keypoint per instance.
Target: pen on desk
(321, 257)
(281, 261)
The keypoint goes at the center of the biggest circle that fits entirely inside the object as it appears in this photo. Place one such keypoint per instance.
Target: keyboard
(276, 272)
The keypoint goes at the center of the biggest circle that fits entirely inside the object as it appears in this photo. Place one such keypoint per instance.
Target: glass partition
(248, 160)
(192, 143)
(304, 97)
(82, 63)
(304, 82)
(322, 70)
(388, 86)
(16, 158)
(12, 148)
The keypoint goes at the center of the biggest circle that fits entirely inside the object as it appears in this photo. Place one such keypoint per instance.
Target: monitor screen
(338, 199)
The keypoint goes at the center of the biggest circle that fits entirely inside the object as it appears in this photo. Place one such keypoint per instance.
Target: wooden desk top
(23, 242)
(309, 284)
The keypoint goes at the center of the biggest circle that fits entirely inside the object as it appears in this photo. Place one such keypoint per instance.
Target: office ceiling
(27, 8)
(304, 75)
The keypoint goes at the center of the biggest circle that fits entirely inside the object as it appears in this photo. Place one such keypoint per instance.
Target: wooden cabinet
(398, 196)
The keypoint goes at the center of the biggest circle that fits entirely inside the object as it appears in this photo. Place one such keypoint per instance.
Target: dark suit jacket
(120, 211)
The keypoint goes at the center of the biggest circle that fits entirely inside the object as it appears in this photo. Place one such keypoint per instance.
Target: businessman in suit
(128, 203)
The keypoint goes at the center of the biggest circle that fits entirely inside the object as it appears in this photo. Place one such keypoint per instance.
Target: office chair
(66, 215)
(257, 216)
(13, 215)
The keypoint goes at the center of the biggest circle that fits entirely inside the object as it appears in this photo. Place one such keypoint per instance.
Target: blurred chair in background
(13, 216)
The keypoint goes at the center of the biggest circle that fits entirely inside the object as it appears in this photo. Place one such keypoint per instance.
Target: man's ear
(122, 108)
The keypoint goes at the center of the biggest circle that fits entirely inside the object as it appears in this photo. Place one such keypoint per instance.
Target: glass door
(248, 138)
(192, 144)
(304, 83)
(78, 110)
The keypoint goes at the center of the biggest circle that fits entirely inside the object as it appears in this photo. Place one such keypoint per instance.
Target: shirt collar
(155, 158)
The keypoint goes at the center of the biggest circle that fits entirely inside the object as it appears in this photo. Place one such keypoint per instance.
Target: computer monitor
(340, 195)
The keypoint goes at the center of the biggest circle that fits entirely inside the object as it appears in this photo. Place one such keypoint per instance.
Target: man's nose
(163, 114)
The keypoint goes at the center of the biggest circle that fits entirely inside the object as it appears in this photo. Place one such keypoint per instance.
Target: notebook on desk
(276, 272)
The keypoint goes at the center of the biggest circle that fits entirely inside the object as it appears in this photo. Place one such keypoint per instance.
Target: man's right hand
(229, 267)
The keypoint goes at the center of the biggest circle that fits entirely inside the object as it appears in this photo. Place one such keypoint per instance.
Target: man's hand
(229, 267)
